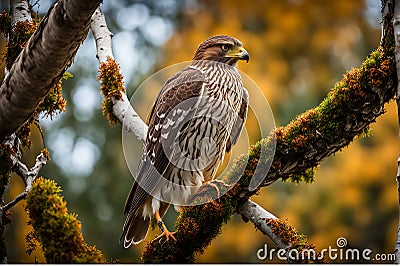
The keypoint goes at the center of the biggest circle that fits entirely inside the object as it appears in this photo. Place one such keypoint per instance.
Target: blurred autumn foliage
(298, 50)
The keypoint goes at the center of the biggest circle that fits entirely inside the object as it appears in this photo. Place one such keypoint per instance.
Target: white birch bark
(122, 108)
(258, 216)
(19, 11)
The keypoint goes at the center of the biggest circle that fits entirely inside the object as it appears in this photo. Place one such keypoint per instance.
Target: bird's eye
(224, 47)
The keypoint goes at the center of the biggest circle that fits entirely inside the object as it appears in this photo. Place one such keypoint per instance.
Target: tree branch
(27, 175)
(43, 61)
(121, 108)
(281, 233)
(258, 216)
(19, 11)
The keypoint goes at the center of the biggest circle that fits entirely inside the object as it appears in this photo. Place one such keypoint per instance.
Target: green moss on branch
(58, 231)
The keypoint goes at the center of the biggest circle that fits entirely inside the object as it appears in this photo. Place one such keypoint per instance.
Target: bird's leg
(164, 230)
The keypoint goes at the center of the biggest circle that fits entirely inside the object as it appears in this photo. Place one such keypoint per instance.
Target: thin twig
(13, 202)
(28, 176)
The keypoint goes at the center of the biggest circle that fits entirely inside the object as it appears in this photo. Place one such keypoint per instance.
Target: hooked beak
(238, 52)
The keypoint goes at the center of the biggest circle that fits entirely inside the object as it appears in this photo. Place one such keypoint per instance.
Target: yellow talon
(164, 230)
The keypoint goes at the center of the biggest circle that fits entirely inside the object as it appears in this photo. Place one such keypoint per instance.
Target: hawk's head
(223, 49)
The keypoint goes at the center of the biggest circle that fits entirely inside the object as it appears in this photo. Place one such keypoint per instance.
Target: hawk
(197, 117)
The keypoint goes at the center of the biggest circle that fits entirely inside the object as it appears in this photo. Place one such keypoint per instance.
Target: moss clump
(196, 226)
(19, 37)
(58, 231)
(54, 102)
(289, 236)
(111, 86)
(308, 176)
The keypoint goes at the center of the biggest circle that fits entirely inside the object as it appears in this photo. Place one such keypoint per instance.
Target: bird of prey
(197, 117)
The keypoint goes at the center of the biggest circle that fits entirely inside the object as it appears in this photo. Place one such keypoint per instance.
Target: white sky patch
(158, 30)
(61, 143)
(75, 158)
(62, 140)
(125, 53)
(133, 16)
(84, 156)
(85, 58)
(372, 13)
(107, 5)
(86, 100)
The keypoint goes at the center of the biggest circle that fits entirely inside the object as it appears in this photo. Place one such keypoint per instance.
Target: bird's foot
(214, 189)
(164, 232)
(167, 235)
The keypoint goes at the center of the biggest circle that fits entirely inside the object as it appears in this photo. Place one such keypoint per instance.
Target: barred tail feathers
(135, 229)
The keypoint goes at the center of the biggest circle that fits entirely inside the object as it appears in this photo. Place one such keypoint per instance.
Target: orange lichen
(111, 86)
(46, 153)
(289, 236)
(20, 35)
(286, 232)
